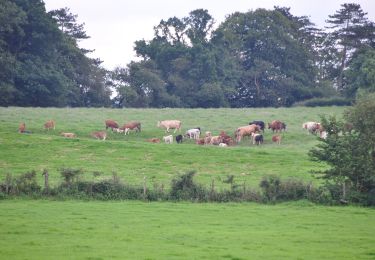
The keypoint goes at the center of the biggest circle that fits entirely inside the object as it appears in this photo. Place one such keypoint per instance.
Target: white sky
(114, 25)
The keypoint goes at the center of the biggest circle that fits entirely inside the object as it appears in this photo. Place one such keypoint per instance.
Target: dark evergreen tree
(348, 24)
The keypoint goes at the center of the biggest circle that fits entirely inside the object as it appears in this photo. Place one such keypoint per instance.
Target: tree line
(255, 59)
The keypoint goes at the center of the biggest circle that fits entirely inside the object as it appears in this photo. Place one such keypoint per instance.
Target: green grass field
(136, 230)
(46, 229)
(132, 158)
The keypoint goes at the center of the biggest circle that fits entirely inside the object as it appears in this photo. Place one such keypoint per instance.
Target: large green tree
(40, 61)
(360, 74)
(273, 50)
(349, 151)
(351, 29)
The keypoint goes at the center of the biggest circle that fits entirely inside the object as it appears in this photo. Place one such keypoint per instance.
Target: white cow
(168, 139)
(193, 133)
(311, 126)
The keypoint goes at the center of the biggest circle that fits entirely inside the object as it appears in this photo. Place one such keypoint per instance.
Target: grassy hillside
(133, 158)
(135, 230)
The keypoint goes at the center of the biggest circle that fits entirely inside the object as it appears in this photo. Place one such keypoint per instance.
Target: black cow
(258, 123)
(179, 139)
(258, 139)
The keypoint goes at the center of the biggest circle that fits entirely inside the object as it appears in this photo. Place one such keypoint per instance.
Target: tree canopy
(258, 58)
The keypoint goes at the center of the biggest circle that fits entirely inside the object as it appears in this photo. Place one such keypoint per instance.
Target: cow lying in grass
(101, 135)
(153, 140)
(68, 135)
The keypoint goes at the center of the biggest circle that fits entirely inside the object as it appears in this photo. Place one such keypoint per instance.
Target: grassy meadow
(137, 230)
(132, 158)
(73, 229)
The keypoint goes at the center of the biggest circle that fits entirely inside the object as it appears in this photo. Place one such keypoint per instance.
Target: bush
(184, 188)
(321, 102)
(275, 189)
(27, 183)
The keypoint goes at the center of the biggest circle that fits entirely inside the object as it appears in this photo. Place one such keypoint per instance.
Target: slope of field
(132, 158)
(135, 230)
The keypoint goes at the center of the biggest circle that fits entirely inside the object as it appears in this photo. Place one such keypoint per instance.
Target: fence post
(46, 185)
(144, 187)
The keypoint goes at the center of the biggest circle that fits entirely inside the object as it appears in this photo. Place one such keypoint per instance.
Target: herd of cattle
(254, 131)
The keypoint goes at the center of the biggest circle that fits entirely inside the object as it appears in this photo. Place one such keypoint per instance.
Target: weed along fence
(182, 188)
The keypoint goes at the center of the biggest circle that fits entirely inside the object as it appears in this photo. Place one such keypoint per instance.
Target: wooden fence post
(144, 187)
(46, 185)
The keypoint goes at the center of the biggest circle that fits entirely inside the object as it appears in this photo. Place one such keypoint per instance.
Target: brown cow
(153, 140)
(101, 135)
(226, 139)
(50, 124)
(134, 125)
(245, 131)
(109, 123)
(22, 128)
(200, 141)
(276, 139)
(276, 125)
(216, 140)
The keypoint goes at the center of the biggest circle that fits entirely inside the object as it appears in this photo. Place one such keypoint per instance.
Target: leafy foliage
(349, 150)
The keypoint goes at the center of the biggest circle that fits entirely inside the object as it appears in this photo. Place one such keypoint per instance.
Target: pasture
(136, 230)
(132, 158)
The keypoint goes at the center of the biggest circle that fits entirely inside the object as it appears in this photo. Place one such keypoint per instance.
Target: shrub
(320, 102)
(70, 175)
(184, 188)
(27, 183)
(274, 189)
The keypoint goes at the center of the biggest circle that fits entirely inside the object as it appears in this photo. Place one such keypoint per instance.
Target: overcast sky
(114, 25)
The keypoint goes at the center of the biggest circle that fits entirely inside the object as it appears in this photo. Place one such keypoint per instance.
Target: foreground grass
(132, 158)
(137, 230)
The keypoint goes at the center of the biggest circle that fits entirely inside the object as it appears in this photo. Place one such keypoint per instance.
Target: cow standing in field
(311, 127)
(193, 133)
(50, 124)
(22, 128)
(134, 125)
(276, 126)
(258, 123)
(168, 139)
(179, 139)
(170, 124)
(110, 124)
(257, 138)
(245, 131)
(276, 139)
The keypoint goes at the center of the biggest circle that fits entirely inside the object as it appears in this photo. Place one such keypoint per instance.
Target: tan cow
(101, 135)
(68, 135)
(245, 131)
(170, 124)
(50, 124)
